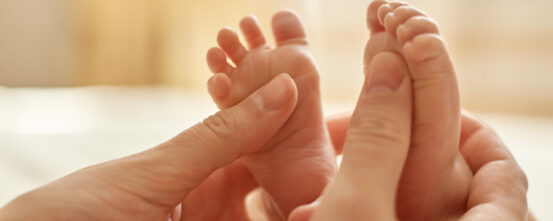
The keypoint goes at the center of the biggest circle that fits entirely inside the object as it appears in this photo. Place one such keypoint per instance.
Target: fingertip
(278, 93)
(292, 87)
(386, 70)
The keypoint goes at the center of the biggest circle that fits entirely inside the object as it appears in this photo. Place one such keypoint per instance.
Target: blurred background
(82, 82)
(502, 49)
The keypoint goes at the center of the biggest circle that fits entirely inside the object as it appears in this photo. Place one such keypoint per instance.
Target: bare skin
(435, 164)
(205, 166)
(197, 165)
(299, 160)
(453, 162)
(436, 181)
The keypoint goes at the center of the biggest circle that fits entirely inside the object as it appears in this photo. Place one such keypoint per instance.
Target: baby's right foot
(299, 160)
(435, 180)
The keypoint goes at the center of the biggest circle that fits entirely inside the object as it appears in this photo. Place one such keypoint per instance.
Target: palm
(434, 190)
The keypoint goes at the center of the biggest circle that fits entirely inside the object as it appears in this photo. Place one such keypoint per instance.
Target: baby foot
(435, 180)
(299, 160)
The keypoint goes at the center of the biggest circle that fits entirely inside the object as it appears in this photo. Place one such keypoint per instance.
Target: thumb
(168, 172)
(375, 148)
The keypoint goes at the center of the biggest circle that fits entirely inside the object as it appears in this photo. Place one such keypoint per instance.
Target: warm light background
(502, 49)
(153, 54)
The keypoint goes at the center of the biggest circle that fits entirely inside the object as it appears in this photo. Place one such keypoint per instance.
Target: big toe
(427, 56)
(288, 28)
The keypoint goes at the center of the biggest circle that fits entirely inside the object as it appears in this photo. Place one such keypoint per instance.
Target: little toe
(399, 16)
(385, 9)
(229, 42)
(372, 16)
(252, 32)
(219, 86)
(217, 61)
(416, 26)
(288, 29)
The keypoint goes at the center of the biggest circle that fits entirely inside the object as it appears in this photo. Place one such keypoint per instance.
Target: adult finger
(338, 125)
(260, 206)
(375, 148)
(498, 189)
(167, 173)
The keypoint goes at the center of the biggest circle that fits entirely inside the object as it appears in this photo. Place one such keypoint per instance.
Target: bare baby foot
(299, 160)
(436, 179)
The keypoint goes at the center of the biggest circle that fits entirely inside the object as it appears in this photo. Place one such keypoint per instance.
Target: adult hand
(365, 187)
(498, 189)
(149, 185)
(375, 148)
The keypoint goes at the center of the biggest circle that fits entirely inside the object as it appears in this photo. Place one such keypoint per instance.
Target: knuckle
(221, 125)
(513, 174)
(377, 130)
(518, 173)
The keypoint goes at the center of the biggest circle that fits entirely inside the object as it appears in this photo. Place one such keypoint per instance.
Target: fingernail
(276, 94)
(385, 72)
